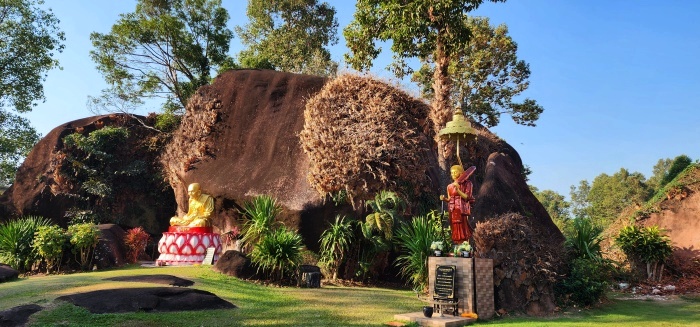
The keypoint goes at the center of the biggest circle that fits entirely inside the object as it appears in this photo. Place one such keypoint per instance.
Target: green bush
(335, 242)
(278, 253)
(414, 239)
(16, 238)
(83, 238)
(48, 243)
(647, 244)
(586, 282)
(584, 240)
(259, 215)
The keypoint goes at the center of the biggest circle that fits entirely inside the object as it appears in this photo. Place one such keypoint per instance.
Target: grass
(283, 306)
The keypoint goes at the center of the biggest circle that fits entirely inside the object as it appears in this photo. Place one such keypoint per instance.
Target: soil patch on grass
(155, 299)
(156, 279)
(18, 315)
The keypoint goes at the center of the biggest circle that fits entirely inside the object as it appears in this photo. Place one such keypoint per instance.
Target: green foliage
(48, 243)
(77, 216)
(647, 244)
(584, 240)
(290, 36)
(16, 238)
(17, 138)
(279, 252)
(557, 207)
(386, 209)
(608, 196)
(486, 76)
(414, 240)
(163, 47)
(586, 283)
(259, 215)
(677, 166)
(83, 238)
(30, 39)
(135, 241)
(335, 243)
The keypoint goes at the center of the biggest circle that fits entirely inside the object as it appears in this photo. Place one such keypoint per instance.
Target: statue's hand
(442, 197)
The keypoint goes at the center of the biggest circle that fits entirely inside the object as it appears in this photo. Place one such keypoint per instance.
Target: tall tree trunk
(441, 110)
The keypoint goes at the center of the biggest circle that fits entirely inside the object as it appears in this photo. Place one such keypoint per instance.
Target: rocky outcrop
(43, 185)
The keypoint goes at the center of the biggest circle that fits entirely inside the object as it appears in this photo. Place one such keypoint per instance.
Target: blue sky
(618, 80)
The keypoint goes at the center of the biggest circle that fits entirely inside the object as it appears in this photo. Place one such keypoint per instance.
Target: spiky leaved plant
(16, 238)
(259, 215)
(335, 242)
(278, 253)
(414, 239)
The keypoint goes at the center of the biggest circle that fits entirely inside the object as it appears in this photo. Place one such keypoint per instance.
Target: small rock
(656, 291)
(624, 286)
(669, 288)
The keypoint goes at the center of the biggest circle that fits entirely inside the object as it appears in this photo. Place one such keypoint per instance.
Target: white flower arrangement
(437, 246)
(465, 246)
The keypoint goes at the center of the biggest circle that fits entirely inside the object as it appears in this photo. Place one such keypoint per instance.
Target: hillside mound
(674, 209)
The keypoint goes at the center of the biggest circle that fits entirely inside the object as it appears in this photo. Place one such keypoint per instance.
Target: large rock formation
(240, 138)
(45, 186)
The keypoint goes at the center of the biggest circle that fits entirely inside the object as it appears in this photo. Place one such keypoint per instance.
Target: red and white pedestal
(187, 245)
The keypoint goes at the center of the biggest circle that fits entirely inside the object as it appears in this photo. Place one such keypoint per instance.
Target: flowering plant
(465, 246)
(437, 246)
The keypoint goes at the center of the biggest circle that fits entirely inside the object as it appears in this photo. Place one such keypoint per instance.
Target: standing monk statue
(200, 209)
(459, 198)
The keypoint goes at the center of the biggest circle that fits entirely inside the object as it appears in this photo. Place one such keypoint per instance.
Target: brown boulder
(236, 264)
(43, 188)
(239, 139)
(7, 273)
(109, 251)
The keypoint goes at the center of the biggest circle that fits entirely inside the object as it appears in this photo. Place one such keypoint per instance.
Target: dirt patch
(156, 299)
(18, 315)
(156, 279)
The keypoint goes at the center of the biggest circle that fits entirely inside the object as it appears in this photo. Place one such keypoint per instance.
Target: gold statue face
(455, 171)
(193, 190)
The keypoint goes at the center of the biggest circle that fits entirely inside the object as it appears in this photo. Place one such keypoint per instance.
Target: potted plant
(463, 249)
(437, 247)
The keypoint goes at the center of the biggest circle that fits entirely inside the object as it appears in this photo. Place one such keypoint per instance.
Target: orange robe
(460, 209)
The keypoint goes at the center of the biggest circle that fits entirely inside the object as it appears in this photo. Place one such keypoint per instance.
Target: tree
(610, 195)
(556, 206)
(429, 30)
(17, 138)
(580, 206)
(289, 35)
(658, 173)
(677, 166)
(164, 49)
(486, 75)
(32, 34)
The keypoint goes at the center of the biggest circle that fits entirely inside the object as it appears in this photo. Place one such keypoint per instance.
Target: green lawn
(275, 306)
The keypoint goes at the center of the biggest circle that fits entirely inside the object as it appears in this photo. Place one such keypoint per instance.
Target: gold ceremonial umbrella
(459, 129)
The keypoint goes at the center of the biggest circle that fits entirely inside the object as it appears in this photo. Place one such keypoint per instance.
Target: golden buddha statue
(200, 209)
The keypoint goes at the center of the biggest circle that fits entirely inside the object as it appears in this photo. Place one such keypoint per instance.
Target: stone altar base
(187, 245)
(473, 283)
(435, 320)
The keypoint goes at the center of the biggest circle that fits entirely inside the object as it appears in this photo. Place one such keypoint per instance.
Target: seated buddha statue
(200, 209)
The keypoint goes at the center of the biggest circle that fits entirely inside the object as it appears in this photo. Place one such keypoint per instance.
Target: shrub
(584, 240)
(335, 242)
(586, 282)
(135, 241)
(386, 209)
(83, 238)
(16, 238)
(259, 214)
(646, 244)
(48, 243)
(279, 252)
(415, 241)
